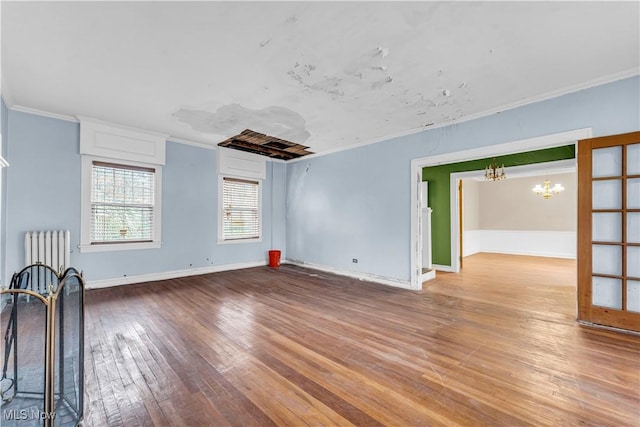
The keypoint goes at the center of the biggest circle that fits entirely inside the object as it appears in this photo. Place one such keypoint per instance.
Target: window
(120, 205)
(240, 210)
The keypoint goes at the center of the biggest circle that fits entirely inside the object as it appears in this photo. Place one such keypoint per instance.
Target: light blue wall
(44, 193)
(3, 191)
(356, 204)
(325, 210)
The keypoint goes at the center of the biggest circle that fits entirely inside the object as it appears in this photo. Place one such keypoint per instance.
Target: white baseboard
(355, 275)
(471, 242)
(555, 244)
(445, 268)
(528, 253)
(127, 280)
(429, 275)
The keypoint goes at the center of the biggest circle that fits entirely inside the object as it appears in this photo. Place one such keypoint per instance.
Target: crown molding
(119, 126)
(43, 113)
(6, 95)
(78, 119)
(204, 145)
(550, 95)
(632, 72)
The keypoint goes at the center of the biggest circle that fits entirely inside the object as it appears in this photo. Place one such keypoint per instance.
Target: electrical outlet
(355, 260)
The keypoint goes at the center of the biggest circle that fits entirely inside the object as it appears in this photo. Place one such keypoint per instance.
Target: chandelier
(494, 173)
(546, 191)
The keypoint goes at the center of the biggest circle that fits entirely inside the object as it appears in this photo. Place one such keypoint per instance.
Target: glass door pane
(607, 259)
(633, 193)
(607, 292)
(633, 261)
(607, 227)
(633, 227)
(633, 159)
(633, 295)
(607, 162)
(607, 194)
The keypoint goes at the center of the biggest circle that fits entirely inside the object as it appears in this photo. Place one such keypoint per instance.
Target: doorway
(507, 217)
(548, 141)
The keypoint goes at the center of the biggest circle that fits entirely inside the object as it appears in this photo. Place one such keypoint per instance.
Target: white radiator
(52, 248)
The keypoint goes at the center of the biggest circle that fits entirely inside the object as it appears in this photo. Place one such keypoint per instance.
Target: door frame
(460, 222)
(519, 146)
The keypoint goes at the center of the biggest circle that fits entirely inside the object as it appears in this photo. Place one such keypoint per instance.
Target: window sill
(236, 241)
(111, 247)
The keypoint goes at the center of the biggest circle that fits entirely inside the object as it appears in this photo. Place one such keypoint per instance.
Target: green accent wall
(439, 197)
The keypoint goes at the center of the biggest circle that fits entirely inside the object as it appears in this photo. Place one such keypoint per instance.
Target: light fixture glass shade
(546, 191)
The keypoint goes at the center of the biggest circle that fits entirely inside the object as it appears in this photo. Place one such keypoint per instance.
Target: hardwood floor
(495, 345)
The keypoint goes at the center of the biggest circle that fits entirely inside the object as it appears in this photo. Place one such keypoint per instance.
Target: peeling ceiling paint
(326, 74)
(232, 119)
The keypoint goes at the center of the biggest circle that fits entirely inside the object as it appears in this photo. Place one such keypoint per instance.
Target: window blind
(122, 203)
(240, 211)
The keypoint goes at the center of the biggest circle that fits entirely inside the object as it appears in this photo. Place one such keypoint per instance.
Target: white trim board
(471, 242)
(547, 141)
(43, 113)
(152, 277)
(6, 95)
(519, 146)
(445, 268)
(549, 95)
(429, 275)
(169, 138)
(192, 143)
(551, 244)
(355, 275)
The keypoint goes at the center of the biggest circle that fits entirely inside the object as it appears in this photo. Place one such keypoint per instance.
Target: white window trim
(85, 216)
(221, 239)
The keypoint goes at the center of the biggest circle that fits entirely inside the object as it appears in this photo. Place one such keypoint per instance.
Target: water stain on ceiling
(231, 119)
(329, 75)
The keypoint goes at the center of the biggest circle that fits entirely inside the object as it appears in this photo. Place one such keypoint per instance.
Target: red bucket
(274, 259)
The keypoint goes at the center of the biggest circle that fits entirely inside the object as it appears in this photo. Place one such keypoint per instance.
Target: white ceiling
(326, 75)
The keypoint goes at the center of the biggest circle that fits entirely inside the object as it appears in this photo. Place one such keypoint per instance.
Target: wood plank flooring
(495, 345)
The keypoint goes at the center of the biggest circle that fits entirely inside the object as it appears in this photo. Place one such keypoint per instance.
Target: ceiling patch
(259, 143)
(231, 119)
